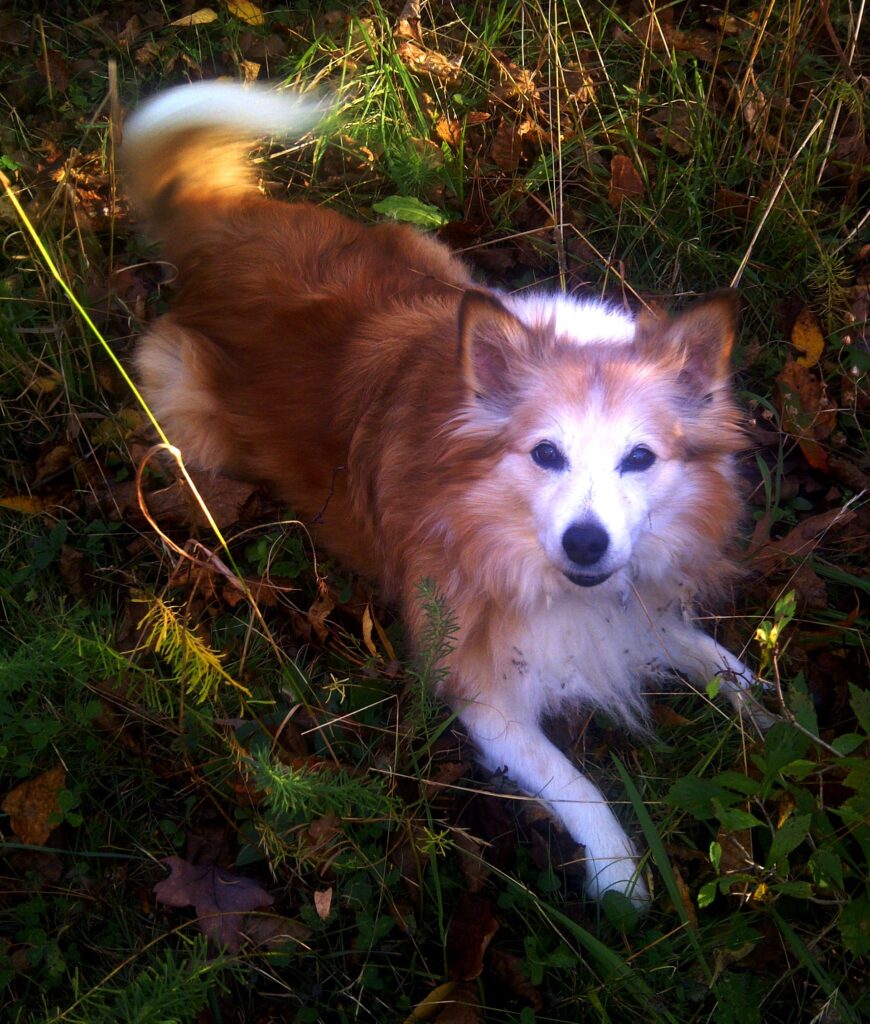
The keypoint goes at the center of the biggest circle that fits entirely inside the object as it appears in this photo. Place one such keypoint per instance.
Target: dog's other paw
(750, 708)
(621, 875)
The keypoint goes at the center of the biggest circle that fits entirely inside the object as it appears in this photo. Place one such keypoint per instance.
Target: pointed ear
(698, 341)
(491, 339)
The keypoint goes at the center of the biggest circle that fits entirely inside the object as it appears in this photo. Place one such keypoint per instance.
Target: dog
(562, 473)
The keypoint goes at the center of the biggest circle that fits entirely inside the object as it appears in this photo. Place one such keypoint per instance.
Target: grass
(253, 712)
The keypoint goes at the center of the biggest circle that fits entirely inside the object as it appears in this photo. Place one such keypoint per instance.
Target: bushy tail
(188, 146)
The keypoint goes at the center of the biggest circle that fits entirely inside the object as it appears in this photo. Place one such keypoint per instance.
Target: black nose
(585, 544)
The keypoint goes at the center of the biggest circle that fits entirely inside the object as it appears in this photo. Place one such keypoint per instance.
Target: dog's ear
(491, 342)
(697, 342)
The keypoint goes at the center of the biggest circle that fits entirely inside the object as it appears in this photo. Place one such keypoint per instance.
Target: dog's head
(615, 437)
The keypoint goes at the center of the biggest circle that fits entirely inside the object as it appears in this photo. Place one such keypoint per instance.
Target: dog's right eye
(548, 456)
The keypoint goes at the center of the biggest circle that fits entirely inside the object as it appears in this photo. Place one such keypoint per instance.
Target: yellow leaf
(367, 624)
(22, 503)
(807, 338)
(247, 12)
(203, 16)
(434, 1002)
(762, 893)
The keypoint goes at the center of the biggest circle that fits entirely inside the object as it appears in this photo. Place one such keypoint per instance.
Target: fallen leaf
(421, 59)
(33, 808)
(431, 1003)
(250, 70)
(227, 500)
(807, 413)
(471, 931)
(367, 626)
(271, 931)
(204, 16)
(685, 896)
(220, 898)
(800, 541)
(25, 503)
(449, 130)
(320, 610)
(323, 902)
(807, 338)
(463, 1007)
(54, 68)
(508, 968)
(246, 11)
(506, 148)
(625, 182)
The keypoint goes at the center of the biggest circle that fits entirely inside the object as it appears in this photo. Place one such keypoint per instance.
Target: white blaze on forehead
(582, 320)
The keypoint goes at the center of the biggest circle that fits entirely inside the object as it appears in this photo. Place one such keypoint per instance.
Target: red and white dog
(561, 472)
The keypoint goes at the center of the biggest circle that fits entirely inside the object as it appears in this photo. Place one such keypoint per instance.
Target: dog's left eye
(637, 460)
(548, 456)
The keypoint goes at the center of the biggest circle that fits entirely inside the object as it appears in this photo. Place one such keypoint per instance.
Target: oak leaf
(221, 899)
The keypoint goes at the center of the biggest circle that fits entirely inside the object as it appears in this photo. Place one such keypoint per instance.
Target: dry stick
(747, 255)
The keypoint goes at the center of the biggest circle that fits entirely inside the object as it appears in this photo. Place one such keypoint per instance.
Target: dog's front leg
(700, 658)
(517, 746)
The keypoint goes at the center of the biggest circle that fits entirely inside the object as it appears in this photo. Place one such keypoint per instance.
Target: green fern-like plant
(174, 989)
(197, 668)
(312, 791)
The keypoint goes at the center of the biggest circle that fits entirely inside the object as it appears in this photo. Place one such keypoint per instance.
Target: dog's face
(615, 453)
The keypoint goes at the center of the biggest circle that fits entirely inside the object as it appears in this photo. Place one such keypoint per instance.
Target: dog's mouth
(584, 580)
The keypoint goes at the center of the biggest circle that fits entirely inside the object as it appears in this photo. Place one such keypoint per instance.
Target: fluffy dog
(562, 473)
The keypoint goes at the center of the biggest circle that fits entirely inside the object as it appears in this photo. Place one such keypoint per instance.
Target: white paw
(622, 876)
(612, 866)
(749, 707)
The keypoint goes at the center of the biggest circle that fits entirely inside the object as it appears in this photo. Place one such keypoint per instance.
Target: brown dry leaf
(148, 51)
(33, 808)
(422, 60)
(674, 127)
(220, 897)
(666, 718)
(509, 969)
(516, 82)
(736, 204)
(227, 500)
(323, 902)
(658, 31)
(463, 1007)
(246, 11)
(471, 930)
(685, 896)
(579, 83)
(204, 16)
(250, 71)
(449, 130)
(45, 384)
(737, 855)
(54, 69)
(408, 25)
(506, 147)
(474, 868)
(807, 338)
(320, 610)
(271, 931)
(625, 182)
(800, 541)
(807, 414)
